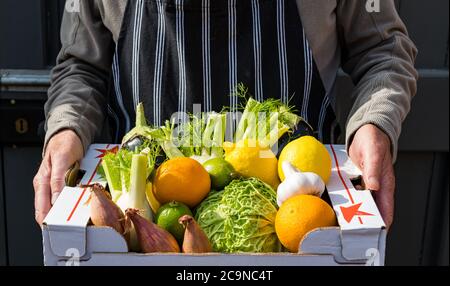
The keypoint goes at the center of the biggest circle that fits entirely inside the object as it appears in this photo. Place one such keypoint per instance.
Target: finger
(41, 184)
(385, 198)
(385, 204)
(372, 169)
(42, 204)
(60, 165)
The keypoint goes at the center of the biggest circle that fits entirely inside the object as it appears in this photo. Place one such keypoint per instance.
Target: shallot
(195, 239)
(104, 212)
(151, 237)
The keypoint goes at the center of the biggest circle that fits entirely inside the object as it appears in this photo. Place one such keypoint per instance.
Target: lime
(220, 171)
(167, 218)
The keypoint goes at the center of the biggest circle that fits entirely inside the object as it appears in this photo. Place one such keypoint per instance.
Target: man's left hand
(370, 150)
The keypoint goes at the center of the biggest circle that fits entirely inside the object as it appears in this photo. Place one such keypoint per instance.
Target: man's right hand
(63, 150)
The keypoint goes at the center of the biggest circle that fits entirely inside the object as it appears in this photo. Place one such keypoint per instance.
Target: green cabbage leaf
(241, 218)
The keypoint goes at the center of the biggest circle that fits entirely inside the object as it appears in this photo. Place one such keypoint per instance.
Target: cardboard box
(358, 240)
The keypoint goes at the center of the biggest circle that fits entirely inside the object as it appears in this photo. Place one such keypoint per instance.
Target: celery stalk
(141, 128)
(166, 141)
(205, 139)
(171, 150)
(251, 106)
(137, 198)
(138, 181)
(255, 123)
(219, 136)
(250, 131)
(207, 133)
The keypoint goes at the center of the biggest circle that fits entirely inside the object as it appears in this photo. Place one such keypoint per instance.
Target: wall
(29, 39)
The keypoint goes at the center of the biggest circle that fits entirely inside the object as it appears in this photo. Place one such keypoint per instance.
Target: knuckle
(56, 180)
(36, 180)
(36, 184)
(40, 179)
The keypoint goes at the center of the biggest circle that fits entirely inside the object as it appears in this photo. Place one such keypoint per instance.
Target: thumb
(372, 171)
(60, 165)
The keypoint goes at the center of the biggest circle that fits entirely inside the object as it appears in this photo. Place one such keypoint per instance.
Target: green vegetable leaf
(264, 121)
(241, 218)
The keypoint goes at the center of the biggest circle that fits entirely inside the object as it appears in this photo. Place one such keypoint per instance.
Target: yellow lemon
(249, 159)
(299, 215)
(228, 146)
(307, 154)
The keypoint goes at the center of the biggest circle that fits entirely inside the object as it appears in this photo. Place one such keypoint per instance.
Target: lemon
(299, 215)
(308, 155)
(249, 159)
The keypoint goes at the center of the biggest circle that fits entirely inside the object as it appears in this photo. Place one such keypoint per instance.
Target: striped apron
(174, 54)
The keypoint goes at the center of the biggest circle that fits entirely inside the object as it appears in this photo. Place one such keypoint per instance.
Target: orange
(183, 180)
(300, 214)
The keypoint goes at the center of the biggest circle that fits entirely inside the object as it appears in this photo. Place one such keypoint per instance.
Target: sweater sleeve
(379, 56)
(77, 95)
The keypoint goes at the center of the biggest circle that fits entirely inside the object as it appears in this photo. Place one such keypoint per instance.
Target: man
(171, 54)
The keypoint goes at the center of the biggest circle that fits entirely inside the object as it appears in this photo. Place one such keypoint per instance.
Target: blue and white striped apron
(172, 54)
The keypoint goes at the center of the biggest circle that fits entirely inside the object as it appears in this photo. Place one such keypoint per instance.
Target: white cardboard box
(359, 240)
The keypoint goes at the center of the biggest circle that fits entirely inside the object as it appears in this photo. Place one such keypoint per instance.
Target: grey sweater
(373, 48)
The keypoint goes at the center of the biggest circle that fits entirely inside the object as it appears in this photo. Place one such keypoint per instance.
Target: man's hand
(63, 150)
(370, 150)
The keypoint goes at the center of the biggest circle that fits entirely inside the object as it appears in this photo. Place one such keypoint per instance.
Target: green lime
(220, 171)
(167, 218)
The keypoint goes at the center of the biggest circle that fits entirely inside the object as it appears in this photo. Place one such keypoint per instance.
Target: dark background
(29, 43)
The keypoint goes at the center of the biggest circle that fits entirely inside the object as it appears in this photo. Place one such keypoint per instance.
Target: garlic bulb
(298, 183)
